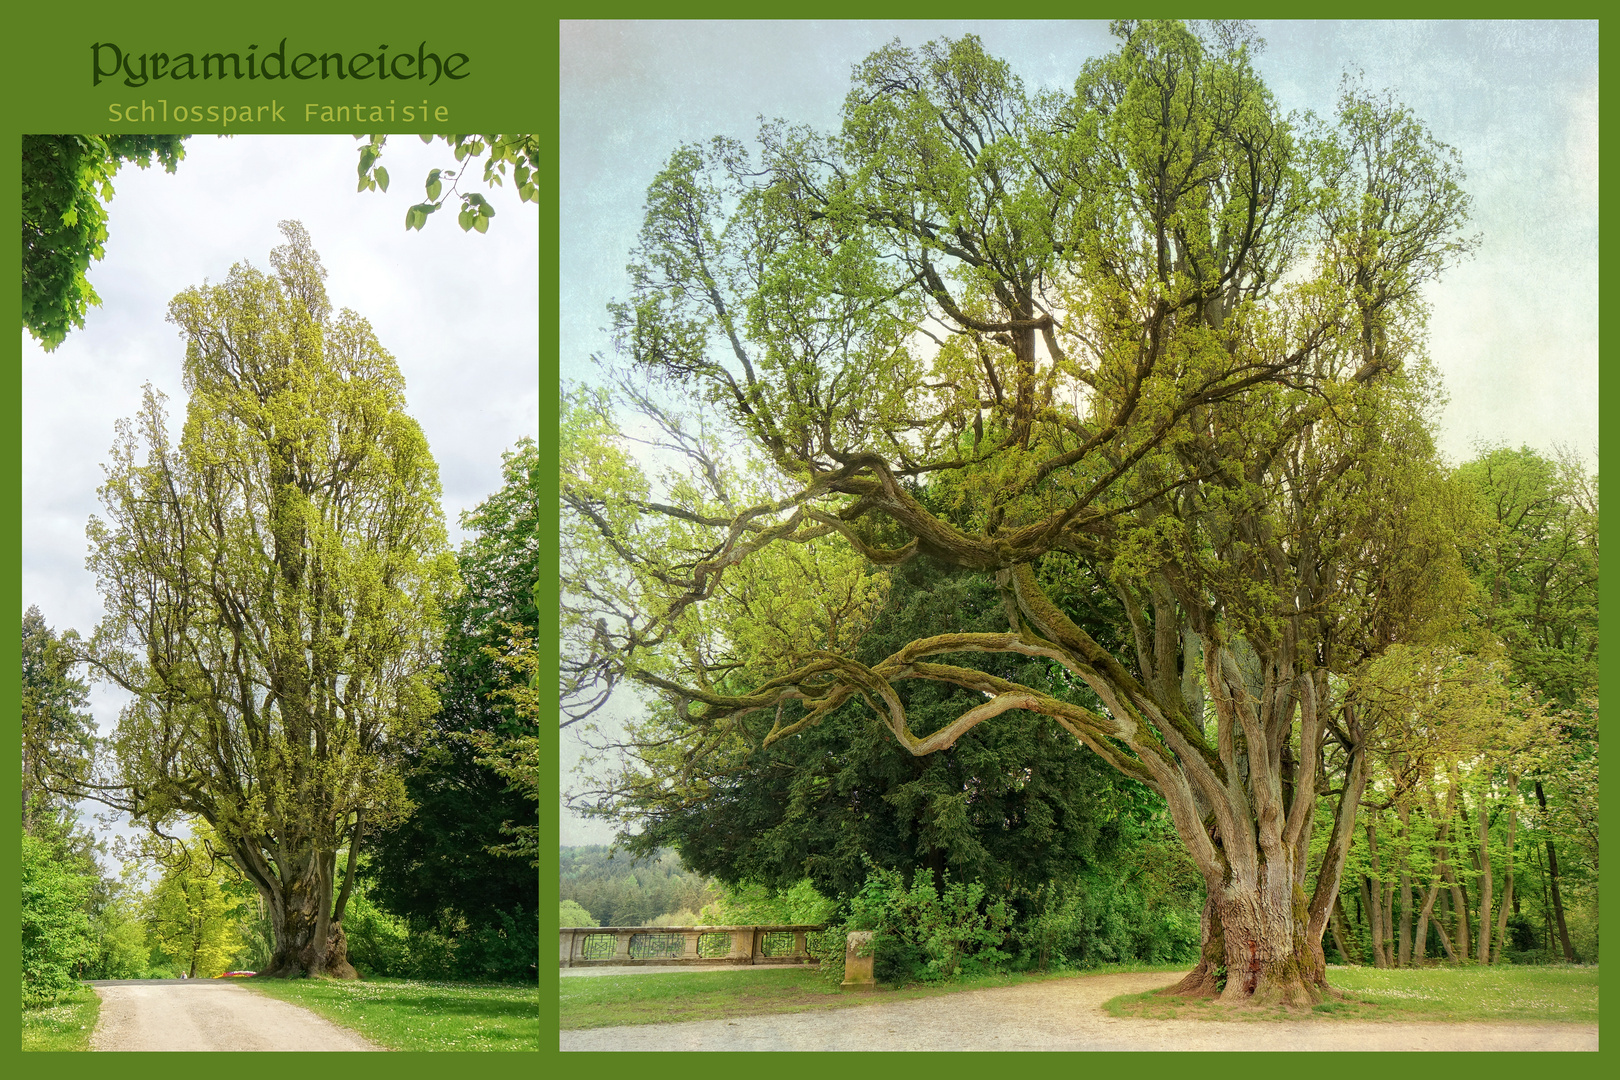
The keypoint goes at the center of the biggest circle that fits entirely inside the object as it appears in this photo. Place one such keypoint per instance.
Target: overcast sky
(1514, 330)
(459, 312)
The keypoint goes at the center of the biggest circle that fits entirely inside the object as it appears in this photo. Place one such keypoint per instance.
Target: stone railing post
(801, 945)
(858, 969)
(565, 948)
(621, 951)
(742, 945)
(689, 947)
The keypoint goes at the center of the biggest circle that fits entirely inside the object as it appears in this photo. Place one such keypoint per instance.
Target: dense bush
(120, 947)
(922, 933)
(1093, 920)
(56, 933)
(387, 945)
(752, 904)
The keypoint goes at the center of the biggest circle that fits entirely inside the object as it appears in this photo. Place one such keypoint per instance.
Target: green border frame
(48, 88)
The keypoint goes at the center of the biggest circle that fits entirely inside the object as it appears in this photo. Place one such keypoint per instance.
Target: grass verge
(1513, 994)
(403, 1014)
(67, 1025)
(595, 1001)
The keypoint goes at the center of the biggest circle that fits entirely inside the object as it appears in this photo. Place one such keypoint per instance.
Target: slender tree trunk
(1552, 874)
(1390, 955)
(1483, 854)
(1445, 941)
(1459, 908)
(1341, 934)
(1404, 945)
(1507, 886)
(1420, 943)
(1371, 902)
(1373, 906)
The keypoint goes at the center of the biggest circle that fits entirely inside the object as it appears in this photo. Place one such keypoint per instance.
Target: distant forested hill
(620, 892)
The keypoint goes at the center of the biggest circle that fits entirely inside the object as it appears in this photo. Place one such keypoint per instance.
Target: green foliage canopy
(192, 914)
(58, 732)
(1537, 565)
(476, 781)
(66, 185)
(1014, 804)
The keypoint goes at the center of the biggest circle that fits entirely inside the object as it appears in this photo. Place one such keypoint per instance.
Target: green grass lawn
(66, 1025)
(1519, 994)
(610, 1000)
(403, 1014)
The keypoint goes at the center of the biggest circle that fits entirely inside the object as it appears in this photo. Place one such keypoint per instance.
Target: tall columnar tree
(1150, 334)
(274, 583)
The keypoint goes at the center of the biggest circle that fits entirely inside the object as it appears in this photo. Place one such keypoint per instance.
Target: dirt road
(208, 1014)
(1063, 1014)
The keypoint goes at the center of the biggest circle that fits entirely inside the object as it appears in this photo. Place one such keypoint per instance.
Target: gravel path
(1062, 1014)
(208, 1014)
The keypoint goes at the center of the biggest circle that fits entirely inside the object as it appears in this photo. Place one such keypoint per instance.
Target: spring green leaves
(514, 156)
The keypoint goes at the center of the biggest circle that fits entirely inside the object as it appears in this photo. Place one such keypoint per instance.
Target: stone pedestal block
(858, 969)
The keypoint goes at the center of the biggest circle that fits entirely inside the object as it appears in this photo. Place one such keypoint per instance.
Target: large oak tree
(273, 583)
(1151, 336)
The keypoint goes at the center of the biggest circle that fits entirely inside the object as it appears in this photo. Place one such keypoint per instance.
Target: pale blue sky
(1514, 330)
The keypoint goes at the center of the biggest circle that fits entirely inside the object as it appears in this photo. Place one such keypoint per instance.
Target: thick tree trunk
(300, 953)
(1204, 980)
(1552, 874)
(309, 940)
(1255, 950)
(1268, 957)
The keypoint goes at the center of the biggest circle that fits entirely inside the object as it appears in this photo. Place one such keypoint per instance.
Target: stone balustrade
(594, 946)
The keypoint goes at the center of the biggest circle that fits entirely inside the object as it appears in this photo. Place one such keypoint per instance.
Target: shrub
(379, 943)
(1095, 919)
(120, 949)
(55, 926)
(749, 903)
(504, 952)
(928, 934)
